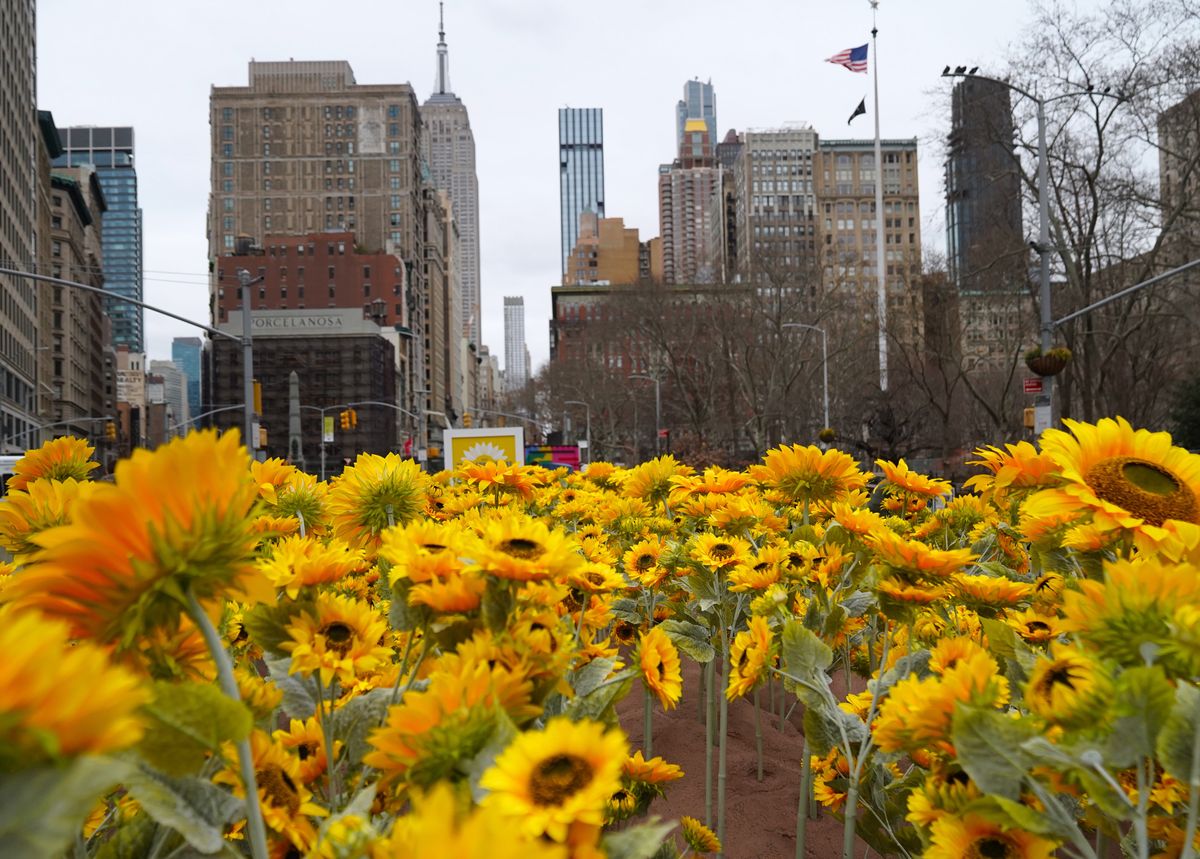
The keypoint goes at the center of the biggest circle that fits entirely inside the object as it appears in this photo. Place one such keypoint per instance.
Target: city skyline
(513, 111)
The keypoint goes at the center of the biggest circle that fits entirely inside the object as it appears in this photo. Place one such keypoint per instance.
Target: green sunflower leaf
(299, 692)
(989, 749)
(353, 722)
(195, 808)
(1142, 702)
(691, 638)
(42, 809)
(823, 727)
(186, 722)
(637, 842)
(805, 658)
(1176, 744)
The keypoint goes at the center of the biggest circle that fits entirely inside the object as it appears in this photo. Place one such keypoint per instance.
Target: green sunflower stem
(709, 702)
(758, 734)
(254, 820)
(326, 714)
(648, 722)
(802, 805)
(702, 693)
(851, 814)
(724, 732)
(1140, 828)
(1193, 812)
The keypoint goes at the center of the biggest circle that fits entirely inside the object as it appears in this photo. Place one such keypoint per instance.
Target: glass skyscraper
(580, 170)
(699, 102)
(110, 151)
(186, 355)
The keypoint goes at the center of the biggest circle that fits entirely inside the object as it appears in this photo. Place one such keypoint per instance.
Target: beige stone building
(71, 359)
(844, 182)
(304, 148)
(606, 251)
(19, 230)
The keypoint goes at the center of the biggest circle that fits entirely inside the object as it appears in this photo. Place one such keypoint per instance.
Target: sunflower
(375, 492)
(339, 637)
(916, 713)
(753, 578)
(289, 493)
(1015, 471)
(741, 515)
(1069, 688)
(60, 698)
(653, 771)
(306, 740)
(905, 480)
(748, 657)
(260, 695)
(430, 731)
(641, 561)
(1134, 607)
(718, 552)
(286, 803)
(1131, 481)
(972, 836)
(622, 805)
(941, 794)
(807, 475)
(1033, 626)
(517, 546)
(990, 591)
(830, 775)
(699, 837)
(174, 521)
(915, 559)
(298, 562)
(59, 459)
(499, 478)
(857, 520)
(659, 663)
(456, 593)
(447, 824)
(41, 505)
(547, 780)
(651, 481)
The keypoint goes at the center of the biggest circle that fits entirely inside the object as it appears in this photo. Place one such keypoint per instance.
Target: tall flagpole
(881, 269)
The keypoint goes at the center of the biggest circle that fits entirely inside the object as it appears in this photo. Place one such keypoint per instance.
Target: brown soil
(760, 817)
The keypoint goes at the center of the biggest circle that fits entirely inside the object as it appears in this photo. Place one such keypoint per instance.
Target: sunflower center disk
(559, 777)
(992, 848)
(519, 547)
(1146, 490)
(338, 636)
(279, 788)
(722, 551)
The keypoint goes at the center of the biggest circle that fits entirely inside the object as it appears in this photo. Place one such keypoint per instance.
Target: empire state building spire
(442, 86)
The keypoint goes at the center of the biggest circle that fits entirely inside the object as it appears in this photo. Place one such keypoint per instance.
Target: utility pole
(247, 362)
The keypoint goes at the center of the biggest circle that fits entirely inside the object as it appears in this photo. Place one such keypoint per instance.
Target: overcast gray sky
(150, 64)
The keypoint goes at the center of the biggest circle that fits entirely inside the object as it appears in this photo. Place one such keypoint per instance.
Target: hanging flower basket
(1050, 363)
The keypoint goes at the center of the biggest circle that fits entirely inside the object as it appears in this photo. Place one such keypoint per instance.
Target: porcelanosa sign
(298, 323)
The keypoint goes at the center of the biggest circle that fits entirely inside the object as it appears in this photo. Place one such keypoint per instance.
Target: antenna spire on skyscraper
(442, 85)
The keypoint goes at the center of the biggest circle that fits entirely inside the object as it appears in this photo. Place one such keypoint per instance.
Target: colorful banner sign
(553, 455)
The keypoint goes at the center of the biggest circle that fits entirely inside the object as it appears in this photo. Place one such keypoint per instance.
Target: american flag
(855, 59)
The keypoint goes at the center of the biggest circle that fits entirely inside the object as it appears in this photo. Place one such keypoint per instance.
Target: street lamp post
(657, 409)
(588, 430)
(195, 418)
(824, 361)
(1046, 399)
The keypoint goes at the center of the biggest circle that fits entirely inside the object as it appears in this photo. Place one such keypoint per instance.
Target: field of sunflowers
(209, 656)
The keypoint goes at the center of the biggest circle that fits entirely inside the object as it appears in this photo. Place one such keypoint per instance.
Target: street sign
(1033, 386)
(664, 433)
(327, 431)
(1041, 419)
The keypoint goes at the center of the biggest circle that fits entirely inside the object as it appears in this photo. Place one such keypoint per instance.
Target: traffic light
(353, 418)
(344, 419)
(258, 397)
(110, 431)
(1029, 419)
(466, 419)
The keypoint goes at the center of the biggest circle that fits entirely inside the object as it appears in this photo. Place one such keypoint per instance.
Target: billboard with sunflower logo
(484, 443)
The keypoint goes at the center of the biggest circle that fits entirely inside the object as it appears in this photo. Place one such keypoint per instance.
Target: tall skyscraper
(688, 202)
(516, 356)
(580, 170)
(699, 102)
(985, 242)
(110, 150)
(186, 354)
(19, 227)
(451, 147)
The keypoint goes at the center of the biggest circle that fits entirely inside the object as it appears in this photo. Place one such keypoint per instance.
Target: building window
(227, 203)
(227, 132)
(226, 150)
(227, 168)
(393, 147)
(395, 183)
(393, 111)
(228, 241)
(394, 165)
(227, 113)
(266, 149)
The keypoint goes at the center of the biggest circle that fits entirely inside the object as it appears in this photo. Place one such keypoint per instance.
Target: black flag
(858, 111)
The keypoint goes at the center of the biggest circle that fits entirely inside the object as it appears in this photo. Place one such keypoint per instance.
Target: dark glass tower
(186, 354)
(110, 150)
(580, 170)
